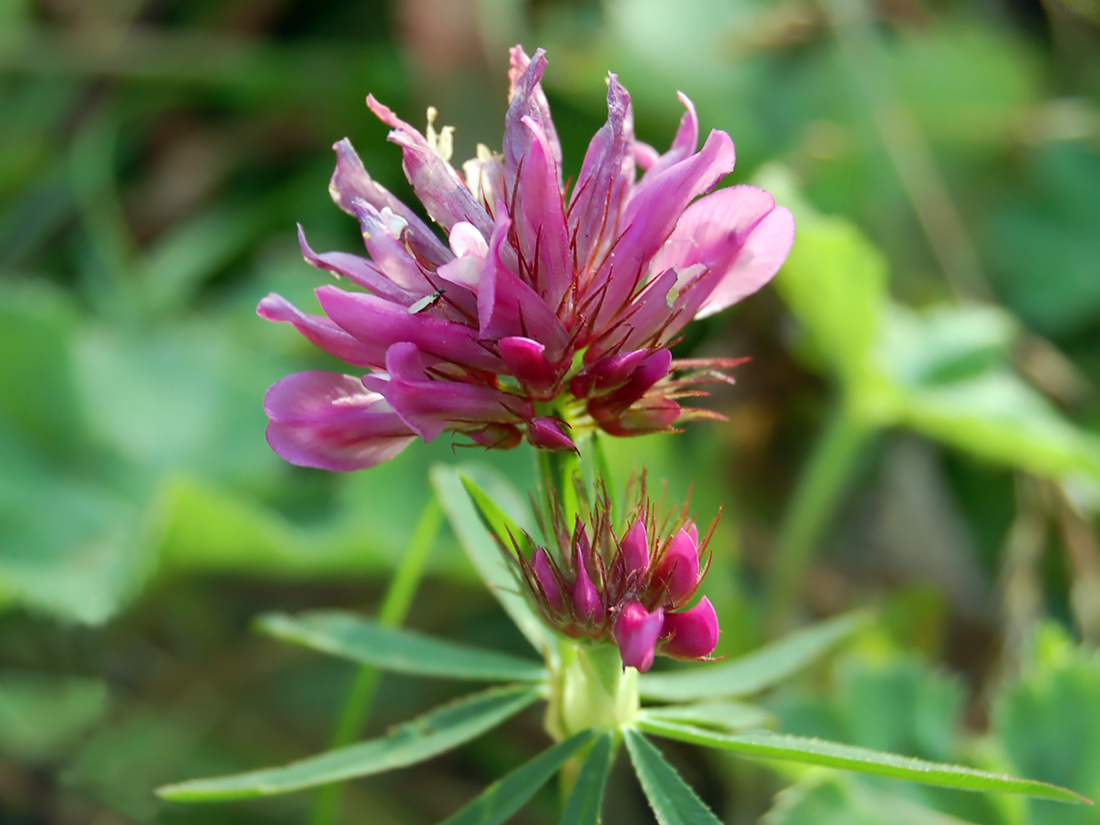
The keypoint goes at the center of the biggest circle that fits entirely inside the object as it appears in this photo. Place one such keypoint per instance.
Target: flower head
(630, 587)
(550, 309)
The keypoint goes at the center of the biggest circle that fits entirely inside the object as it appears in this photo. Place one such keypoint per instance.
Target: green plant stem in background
(820, 487)
(557, 470)
(395, 607)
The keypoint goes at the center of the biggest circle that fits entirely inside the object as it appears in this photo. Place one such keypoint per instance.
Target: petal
(738, 233)
(389, 253)
(677, 572)
(587, 603)
(321, 332)
(634, 549)
(526, 361)
(351, 181)
(650, 415)
(437, 184)
(692, 634)
(356, 269)
(329, 421)
(379, 324)
(549, 434)
(636, 632)
(551, 589)
(608, 373)
(651, 370)
(526, 99)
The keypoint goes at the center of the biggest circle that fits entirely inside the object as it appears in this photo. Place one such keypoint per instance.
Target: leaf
(436, 732)
(860, 760)
(40, 715)
(672, 800)
(486, 556)
(496, 521)
(363, 640)
(508, 794)
(730, 716)
(755, 671)
(586, 799)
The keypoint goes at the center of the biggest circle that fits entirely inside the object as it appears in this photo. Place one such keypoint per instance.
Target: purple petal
(356, 269)
(379, 324)
(606, 374)
(586, 598)
(651, 415)
(636, 632)
(526, 361)
(548, 581)
(526, 99)
(634, 549)
(350, 181)
(649, 372)
(321, 332)
(436, 183)
(692, 634)
(678, 570)
(389, 253)
(496, 436)
(430, 406)
(549, 434)
(329, 421)
(605, 179)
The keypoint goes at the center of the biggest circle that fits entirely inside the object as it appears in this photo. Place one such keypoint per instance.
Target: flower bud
(636, 632)
(692, 634)
(525, 360)
(586, 598)
(634, 549)
(678, 570)
(548, 581)
(549, 434)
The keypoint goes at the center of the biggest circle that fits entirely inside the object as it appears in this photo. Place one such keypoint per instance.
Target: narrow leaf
(755, 671)
(363, 640)
(672, 799)
(438, 731)
(860, 760)
(486, 557)
(728, 716)
(586, 799)
(507, 795)
(495, 520)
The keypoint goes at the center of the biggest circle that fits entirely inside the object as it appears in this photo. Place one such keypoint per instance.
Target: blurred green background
(918, 428)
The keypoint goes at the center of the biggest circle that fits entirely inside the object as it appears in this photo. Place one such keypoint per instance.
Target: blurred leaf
(496, 521)
(728, 716)
(436, 732)
(41, 715)
(859, 760)
(585, 802)
(482, 549)
(507, 795)
(673, 801)
(1049, 723)
(755, 671)
(362, 640)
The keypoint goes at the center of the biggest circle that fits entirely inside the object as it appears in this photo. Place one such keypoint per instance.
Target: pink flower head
(631, 587)
(549, 310)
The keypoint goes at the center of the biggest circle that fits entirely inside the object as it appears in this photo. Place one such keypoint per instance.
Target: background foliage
(918, 429)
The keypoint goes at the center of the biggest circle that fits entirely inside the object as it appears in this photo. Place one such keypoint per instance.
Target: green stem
(395, 607)
(819, 490)
(557, 470)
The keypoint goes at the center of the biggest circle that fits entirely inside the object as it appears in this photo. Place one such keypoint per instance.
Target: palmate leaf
(420, 739)
(484, 553)
(586, 799)
(354, 637)
(672, 799)
(755, 671)
(728, 716)
(507, 795)
(860, 760)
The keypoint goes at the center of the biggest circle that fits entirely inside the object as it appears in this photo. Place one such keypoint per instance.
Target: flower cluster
(630, 588)
(549, 311)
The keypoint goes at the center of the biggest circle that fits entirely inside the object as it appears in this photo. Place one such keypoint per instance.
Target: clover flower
(631, 588)
(549, 311)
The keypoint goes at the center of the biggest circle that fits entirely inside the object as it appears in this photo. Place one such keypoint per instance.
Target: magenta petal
(437, 184)
(586, 598)
(634, 549)
(692, 634)
(525, 361)
(321, 332)
(329, 421)
(549, 434)
(678, 570)
(389, 253)
(651, 370)
(548, 581)
(356, 269)
(606, 374)
(651, 415)
(350, 182)
(526, 99)
(636, 632)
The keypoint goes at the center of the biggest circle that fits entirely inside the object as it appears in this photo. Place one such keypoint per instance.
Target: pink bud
(497, 436)
(526, 361)
(678, 570)
(692, 634)
(549, 434)
(634, 549)
(586, 598)
(652, 415)
(548, 581)
(607, 374)
(636, 632)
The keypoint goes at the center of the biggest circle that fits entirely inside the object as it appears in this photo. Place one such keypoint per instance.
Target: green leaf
(496, 521)
(508, 794)
(672, 800)
(586, 799)
(40, 715)
(860, 760)
(363, 640)
(436, 732)
(730, 716)
(755, 671)
(484, 553)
